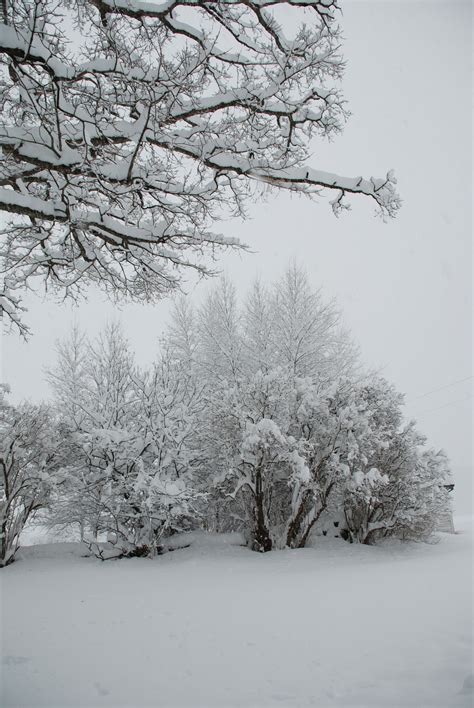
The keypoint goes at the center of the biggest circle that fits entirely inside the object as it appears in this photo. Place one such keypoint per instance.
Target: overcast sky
(405, 287)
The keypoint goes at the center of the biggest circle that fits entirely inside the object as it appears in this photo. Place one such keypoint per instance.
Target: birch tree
(128, 128)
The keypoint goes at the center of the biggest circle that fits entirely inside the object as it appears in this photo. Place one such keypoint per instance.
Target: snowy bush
(132, 455)
(256, 451)
(28, 452)
(396, 486)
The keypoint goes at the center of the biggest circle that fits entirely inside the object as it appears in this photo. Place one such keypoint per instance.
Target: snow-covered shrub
(396, 486)
(266, 455)
(278, 450)
(28, 450)
(322, 424)
(130, 475)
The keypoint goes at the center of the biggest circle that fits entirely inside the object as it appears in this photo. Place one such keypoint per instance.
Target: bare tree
(128, 128)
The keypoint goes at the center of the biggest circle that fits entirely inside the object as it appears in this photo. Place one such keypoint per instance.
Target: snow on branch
(128, 128)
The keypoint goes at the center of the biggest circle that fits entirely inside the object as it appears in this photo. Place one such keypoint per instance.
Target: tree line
(256, 417)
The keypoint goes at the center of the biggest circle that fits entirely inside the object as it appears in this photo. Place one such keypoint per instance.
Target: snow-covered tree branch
(129, 127)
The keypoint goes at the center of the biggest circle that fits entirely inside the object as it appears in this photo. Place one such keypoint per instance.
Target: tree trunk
(4, 11)
(305, 535)
(261, 538)
(295, 525)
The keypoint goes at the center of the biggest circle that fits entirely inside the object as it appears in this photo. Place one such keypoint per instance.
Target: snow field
(215, 625)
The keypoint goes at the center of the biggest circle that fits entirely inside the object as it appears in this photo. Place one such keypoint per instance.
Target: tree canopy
(128, 128)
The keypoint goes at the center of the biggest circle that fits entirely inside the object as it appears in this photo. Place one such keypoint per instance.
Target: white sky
(405, 287)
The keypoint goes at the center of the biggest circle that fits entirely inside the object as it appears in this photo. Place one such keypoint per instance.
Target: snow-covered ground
(215, 625)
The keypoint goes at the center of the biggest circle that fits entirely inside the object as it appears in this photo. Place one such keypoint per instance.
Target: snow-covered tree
(130, 474)
(68, 376)
(219, 331)
(182, 339)
(307, 334)
(28, 448)
(93, 394)
(258, 323)
(396, 486)
(321, 424)
(410, 500)
(170, 406)
(252, 359)
(254, 452)
(129, 127)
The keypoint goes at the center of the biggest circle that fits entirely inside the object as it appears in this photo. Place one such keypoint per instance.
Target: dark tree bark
(262, 541)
